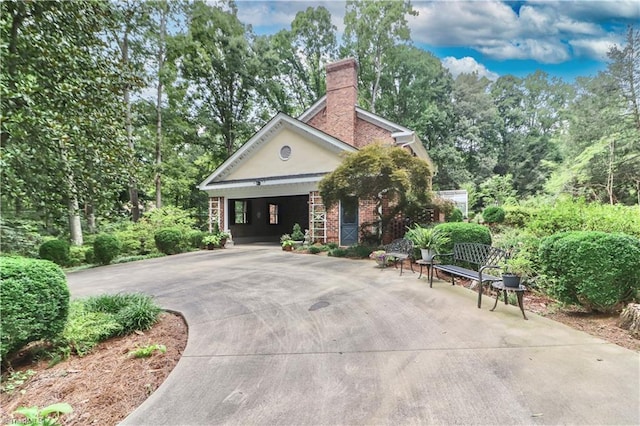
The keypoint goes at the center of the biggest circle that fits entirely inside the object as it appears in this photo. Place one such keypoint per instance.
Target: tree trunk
(161, 51)
(610, 172)
(75, 226)
(91, 218)
(133, 186)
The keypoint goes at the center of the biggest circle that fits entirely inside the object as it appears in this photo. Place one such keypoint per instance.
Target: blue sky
(564, 38)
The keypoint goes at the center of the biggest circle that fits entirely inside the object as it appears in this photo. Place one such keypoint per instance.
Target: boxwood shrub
(34, 302)
(105, 248)
(169, 240)
(597, 270)
(493, 214)
(56, 251)
(462, 232)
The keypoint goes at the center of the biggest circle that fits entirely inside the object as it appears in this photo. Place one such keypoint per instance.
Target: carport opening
(266, 219)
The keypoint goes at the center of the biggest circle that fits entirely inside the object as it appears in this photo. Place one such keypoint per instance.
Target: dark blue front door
(349, 222)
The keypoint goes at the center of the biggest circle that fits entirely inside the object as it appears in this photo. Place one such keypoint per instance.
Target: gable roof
(265, 134)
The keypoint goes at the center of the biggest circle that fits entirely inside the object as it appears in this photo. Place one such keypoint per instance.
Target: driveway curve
(287, 339)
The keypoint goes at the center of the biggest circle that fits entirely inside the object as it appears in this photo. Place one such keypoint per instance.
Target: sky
(564, 38)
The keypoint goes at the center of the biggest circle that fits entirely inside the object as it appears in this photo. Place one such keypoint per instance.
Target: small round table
(500, 287)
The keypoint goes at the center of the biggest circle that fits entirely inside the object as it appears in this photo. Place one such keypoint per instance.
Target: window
(273, 214)
(241, 212)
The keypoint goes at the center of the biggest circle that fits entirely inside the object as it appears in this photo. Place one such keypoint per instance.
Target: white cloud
(593, 48)
(467, 65)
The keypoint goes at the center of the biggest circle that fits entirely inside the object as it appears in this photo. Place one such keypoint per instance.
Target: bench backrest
(478, 254)
(401, 245)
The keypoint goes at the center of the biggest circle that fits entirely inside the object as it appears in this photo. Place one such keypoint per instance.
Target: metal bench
(479, 256)
(398, 251)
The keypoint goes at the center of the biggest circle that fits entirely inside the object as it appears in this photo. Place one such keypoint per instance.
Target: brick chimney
(342, 96)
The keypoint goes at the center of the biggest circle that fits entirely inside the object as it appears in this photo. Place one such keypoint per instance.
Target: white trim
(313, 109)
(379, 121)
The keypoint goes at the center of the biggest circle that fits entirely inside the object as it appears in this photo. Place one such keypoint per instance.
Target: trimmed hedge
(493, 214)
(105, 248)
(34, 302)
(56, 251)
(169, 240)
(462, 232)
(597, 270)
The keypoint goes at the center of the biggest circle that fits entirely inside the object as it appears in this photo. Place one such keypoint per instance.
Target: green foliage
(20, 236)
(493, 214)
(56, 251)
(315, 249)
(34, 302)
(86, 328)
(147, 351)
(48, 416)
(297, 234)
(14, 380)
(426, 238)
(338, 252)
(570, 215)
(106, 248)
(455, 216)
(332, 246)
(461, 232)
(597, 270)
(133, 311)
(169, 240)
(89, 255)
(195, 238)
(516, 216)
(359, 251)
(78, 255)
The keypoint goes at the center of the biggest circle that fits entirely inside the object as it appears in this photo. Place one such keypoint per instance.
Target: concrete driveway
(286, 339)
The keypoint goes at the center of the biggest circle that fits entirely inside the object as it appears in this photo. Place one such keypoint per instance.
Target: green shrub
(34, 302)
(56, 251)
(297, 234)
(85, 329)
(572, 215)
(493, 214)
(338, 252)
(169, 240)
(597, 270)
(105, 248)
(332, 246)
(89, 256)
(462, 232)
(359, 251)
(315, 249)
(134, 311)
(20, 237)
(516, 216)
(78, 255)
(195, 238)
(455, 216)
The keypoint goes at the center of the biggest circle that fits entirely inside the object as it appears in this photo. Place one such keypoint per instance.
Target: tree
(61, 89)
(218, 64)
(625, 69)
(372, 29)
(390, 176)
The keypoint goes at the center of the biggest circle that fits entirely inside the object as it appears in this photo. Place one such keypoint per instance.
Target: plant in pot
(211, 241)
(428, 240)
(223, 237)
(516, 268)
(286, 242)
(297, 234)
(379, 257)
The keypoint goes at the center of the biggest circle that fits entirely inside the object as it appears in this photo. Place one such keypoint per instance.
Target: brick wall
(367, 133)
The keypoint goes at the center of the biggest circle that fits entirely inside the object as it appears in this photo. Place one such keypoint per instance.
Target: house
(271, 182)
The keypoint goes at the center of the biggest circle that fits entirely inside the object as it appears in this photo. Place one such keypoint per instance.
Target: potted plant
(223, 237)
(297, 234)
(428, 240)
(516, 268)
(287, 245)
(379, 257)
(211, 241)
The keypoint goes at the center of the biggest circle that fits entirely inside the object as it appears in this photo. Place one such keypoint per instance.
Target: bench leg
(496, 304)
